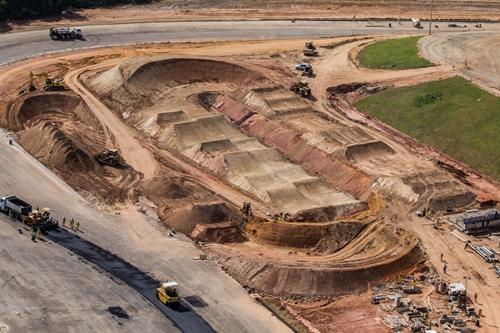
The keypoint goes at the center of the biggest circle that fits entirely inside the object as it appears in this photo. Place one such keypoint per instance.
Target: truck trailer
(15, 207)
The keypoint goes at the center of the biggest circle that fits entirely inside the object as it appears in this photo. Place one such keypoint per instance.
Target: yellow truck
(167, 293)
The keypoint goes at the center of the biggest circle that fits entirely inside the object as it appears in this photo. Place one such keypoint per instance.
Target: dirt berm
(323, 238)
(377, 253)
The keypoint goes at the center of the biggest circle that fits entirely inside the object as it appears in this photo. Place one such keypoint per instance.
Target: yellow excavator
(167, 293)
(51, 84)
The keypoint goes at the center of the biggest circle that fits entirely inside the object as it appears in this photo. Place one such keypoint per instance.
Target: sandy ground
(333, 67)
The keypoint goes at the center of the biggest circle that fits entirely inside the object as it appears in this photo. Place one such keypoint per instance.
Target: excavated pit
(60, 131)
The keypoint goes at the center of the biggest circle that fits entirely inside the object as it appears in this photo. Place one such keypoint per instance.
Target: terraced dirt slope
(176, 120)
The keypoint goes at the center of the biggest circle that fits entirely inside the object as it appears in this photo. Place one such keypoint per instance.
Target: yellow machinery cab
(167, 293)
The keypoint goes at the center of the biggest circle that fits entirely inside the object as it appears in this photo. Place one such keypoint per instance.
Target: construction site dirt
(206, 127)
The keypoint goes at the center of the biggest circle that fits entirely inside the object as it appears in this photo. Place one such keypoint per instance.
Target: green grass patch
(393, 54)
(451, 115)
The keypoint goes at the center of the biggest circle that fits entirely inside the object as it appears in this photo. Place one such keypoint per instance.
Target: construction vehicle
(15, 207)
(301, 88)
(22, 211)
(416, 23)
(167, 293)
(310, 50)
(50, 84)
(308, 72)
(41, 220)
(112, 158)
(246, 210)
(65, 33)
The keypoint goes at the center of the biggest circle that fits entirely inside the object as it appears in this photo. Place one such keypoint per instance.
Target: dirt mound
(222, 232)
(368, 151)
(324, 238)
(186, 218)
(377, 253)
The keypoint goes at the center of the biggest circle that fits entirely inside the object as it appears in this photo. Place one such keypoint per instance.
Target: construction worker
(71, 223)
(38, 234)
(77, 225)
(466, 245)
(64, 221)
(33, 235)
(475, 297)
(441, 256)
(445, 268)
(10, 142)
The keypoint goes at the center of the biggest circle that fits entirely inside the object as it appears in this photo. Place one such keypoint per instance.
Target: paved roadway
(48, 289)
(14, 46)
(480, 49)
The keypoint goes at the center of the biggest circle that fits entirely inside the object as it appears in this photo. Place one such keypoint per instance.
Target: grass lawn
(393, 54)
(451, 115)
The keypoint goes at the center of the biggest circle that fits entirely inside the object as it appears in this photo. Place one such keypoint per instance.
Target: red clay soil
(340, 174)
(352, 313)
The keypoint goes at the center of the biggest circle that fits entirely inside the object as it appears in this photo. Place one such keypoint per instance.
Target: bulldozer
(112, 158)
(167, 294)
(301, 88)
(310, 50)
(51, 84)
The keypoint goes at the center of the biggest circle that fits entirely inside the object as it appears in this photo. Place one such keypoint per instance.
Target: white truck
(15, 207)
(65, 33)
(416, 23)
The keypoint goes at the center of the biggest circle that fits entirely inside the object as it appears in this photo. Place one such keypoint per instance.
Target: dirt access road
(137, 239)
(474, 55)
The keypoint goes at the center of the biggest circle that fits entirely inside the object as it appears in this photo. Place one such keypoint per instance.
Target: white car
(303, 67)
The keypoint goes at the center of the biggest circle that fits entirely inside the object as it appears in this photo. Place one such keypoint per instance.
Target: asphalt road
(44, 288)
(480, 49)
(15, 46)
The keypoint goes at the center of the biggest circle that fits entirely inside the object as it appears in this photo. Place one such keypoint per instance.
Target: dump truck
(167, 293)
(65, 33)
(112, 158)
(310, 50)
(301, 88)
(15, 207)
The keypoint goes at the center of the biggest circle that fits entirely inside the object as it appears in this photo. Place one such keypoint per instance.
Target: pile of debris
(421, 302)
